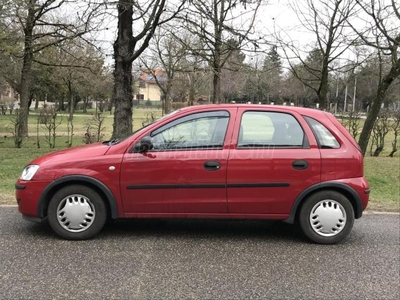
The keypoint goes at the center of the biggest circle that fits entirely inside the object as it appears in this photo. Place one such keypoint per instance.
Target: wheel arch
(90, 182)
(342, 188)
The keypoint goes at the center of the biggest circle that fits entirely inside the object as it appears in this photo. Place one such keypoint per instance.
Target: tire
(76, 212)
(326, 217)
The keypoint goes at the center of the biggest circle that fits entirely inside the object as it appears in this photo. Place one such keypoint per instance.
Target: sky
(272, 14)
(275, 17)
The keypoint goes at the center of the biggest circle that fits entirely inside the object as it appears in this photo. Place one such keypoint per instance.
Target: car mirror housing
(144, 145)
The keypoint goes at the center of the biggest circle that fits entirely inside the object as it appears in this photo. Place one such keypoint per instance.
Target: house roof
(151, 76)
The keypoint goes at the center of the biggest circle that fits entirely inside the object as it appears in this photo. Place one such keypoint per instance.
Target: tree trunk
(376, 106)
(122, 92)
(191, 94)
(323, 91)
(61, 104)
(71, 107)
(110, 106)
(25, 89)
(22, 130)
(167, 96)
(392, 153)
(85, 104)
(217, 51)
(216, 97)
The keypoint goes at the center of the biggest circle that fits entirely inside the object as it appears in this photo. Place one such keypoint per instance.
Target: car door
(274, 158)
(185, 172)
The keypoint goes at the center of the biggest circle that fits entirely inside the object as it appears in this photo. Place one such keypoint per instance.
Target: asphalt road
(182, 259)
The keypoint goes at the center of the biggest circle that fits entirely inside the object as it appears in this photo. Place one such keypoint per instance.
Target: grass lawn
(80, 122)
(383, 173)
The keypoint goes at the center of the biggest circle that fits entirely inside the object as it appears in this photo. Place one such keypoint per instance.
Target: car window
(324, 137)
(269, 129)
(197, 131)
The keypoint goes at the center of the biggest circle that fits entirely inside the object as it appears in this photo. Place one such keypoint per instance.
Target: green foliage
(273, 60)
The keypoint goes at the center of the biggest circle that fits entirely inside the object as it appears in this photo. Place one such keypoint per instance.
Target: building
(7, 94)
(148, 90)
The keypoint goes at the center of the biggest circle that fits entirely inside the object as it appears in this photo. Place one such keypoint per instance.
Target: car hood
(71, 154)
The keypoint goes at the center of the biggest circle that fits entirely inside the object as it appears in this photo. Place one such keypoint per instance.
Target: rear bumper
(361, 186)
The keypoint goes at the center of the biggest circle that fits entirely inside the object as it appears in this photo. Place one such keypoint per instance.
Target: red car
(212, 161)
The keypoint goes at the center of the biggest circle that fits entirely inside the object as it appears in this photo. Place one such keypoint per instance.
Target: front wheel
(326, 217)
(76, 212)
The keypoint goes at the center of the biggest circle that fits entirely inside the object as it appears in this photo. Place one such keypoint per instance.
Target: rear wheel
(326, 217)
(76, 212)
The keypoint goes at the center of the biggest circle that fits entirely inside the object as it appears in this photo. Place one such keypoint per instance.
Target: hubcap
(75, 213)
(328, 218)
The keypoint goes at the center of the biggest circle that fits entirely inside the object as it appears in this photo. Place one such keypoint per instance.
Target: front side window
(197, 131)
(269, 129)
(325, 138)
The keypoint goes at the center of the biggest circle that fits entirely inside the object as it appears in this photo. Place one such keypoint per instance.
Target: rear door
(274, 157)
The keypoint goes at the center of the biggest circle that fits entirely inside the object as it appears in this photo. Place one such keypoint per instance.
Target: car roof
(300, 110)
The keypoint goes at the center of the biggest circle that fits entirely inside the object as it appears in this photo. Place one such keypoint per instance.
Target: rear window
(325, 138)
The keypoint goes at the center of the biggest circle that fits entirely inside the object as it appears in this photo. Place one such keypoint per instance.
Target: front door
(271, 163)
(185, 172)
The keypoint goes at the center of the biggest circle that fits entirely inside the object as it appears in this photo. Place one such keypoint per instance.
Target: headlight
(28, 172)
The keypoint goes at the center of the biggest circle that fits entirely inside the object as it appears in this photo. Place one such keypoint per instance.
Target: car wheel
(76, 212)
(326, 217)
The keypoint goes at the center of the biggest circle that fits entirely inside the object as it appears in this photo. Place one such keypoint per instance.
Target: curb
(369, 212)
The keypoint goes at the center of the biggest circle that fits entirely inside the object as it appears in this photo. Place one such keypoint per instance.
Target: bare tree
(395, 126)
(10, 46)
(379, 132)
(381, 31)
(41, 30)
(327, 21)
(194, 77)
(129, 45)
(168, 54)
(216, 23)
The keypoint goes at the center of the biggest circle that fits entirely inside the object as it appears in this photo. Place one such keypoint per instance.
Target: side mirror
(144, 145)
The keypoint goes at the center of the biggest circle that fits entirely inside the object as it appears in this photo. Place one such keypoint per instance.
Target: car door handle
(300, 164)
(212, 165)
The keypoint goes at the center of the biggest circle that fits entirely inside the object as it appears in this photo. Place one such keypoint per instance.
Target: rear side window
(261, 129)
(324, 137)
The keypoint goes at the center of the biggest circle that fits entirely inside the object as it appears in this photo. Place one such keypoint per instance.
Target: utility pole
(345, 98)
(354, 93)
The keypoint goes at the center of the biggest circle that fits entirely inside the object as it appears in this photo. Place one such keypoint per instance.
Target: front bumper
(28, 194)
